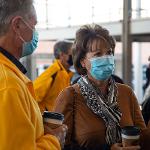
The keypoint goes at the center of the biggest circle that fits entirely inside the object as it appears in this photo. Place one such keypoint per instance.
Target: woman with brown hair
(97, 107)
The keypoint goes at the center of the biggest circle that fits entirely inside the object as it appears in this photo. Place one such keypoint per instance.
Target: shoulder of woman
(68, 92)
(124, 87)
(66, 97)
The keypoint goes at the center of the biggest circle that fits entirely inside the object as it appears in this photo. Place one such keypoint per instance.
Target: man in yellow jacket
(21, 125)
(50, 83)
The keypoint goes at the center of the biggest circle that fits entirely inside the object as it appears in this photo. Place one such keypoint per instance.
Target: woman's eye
(98, 54)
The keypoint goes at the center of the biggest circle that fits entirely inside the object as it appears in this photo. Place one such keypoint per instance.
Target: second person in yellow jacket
(55, 78)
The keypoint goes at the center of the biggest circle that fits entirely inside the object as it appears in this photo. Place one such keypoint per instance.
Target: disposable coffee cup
(130, 136)
(53, 119)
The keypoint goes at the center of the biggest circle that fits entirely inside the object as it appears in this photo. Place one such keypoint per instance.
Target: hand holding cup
(53, 124)
(130, 136)
(119, 146)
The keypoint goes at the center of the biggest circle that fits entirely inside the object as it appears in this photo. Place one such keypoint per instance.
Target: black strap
(74, 144)
(53, 79)
(73, 115)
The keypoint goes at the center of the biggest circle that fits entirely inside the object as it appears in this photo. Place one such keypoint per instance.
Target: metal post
(30, 63)
(138, 8)
(93, 11)
(69, 13)
(127, 43)
(46, 4)
(138, 72)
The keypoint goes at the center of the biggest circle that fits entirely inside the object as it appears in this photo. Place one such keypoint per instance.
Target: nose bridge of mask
(103, 60)
(35, 37)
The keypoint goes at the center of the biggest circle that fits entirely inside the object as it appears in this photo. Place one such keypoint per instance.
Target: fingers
(47, 129)
(64, 128)
(62, 134)
(118, 146)
(131, 148)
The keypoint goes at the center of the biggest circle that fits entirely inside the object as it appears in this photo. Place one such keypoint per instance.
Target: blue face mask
(102, 67)
(29, 47)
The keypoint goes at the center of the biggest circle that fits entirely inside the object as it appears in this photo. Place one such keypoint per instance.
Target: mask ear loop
(22, 39)
(27, 24)
(28, 27)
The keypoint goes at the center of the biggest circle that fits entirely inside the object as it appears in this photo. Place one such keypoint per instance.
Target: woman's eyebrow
(95, 53)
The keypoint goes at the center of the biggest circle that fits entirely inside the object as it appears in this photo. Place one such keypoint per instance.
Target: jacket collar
(13, 60)
(5, 61)
(60, 67)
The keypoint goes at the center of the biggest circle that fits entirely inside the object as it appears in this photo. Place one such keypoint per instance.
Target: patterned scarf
(105, 107)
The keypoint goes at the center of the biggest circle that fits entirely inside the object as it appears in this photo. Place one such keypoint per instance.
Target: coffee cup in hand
(53, 119)
(130, 136)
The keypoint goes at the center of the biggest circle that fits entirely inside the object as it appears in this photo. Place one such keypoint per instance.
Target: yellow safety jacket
(50, 83)
(21, 126)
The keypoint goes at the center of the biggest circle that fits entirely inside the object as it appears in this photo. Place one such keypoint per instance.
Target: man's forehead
(33, 16)
(33, 20)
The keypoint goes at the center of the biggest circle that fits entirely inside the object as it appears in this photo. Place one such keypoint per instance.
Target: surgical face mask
(29, 47)
(70, 61)
(102, 67)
